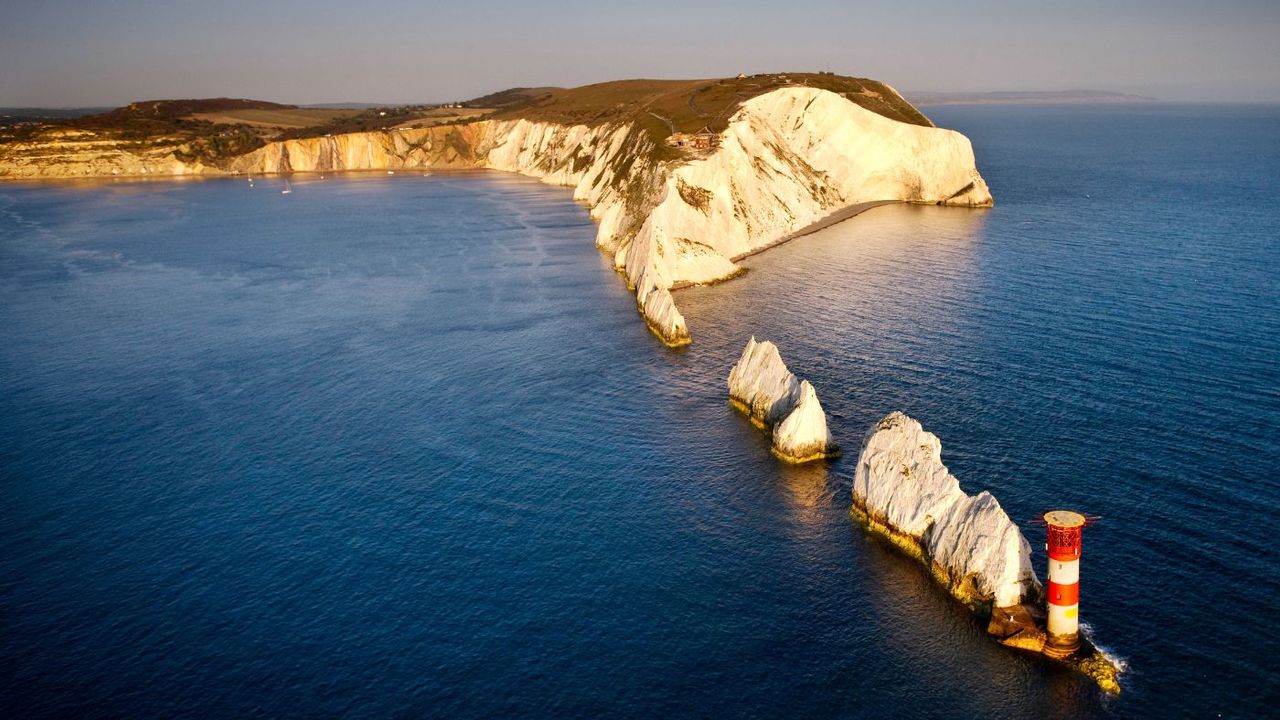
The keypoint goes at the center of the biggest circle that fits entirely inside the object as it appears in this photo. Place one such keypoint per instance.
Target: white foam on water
(1121, 664)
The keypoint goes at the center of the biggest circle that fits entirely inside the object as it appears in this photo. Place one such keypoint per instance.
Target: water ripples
(401, 445)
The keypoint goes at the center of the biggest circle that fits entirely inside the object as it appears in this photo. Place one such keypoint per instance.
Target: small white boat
(391, 172)
(286, 189)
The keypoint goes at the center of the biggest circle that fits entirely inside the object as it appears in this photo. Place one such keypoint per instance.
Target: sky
(64, 53)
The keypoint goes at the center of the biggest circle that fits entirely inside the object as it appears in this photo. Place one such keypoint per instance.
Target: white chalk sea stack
(761, 386)
(902, 488)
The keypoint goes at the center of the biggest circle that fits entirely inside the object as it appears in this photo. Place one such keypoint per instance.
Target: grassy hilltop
(215, 130)
(691, 105)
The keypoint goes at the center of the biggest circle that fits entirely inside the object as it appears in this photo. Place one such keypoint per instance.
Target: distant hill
(36, 113)
(344, 106)
(509, 97)
(162, 110)
(180, 108)
(1061, 97)
(158, 118)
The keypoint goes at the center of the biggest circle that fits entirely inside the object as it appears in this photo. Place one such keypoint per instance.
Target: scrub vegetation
(667, 106)
(214, 130)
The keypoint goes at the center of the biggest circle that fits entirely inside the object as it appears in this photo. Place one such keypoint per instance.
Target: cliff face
(787, 159)
(73, 153)
(447, 146)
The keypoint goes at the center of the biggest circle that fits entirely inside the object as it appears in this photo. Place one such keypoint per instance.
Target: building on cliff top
(704, 139)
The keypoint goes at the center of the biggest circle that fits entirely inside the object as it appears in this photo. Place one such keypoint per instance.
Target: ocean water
(400, 446)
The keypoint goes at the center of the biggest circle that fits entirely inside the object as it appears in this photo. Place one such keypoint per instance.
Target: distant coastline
(1061, 97)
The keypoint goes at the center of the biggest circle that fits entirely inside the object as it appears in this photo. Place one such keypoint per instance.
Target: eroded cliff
(787, 158)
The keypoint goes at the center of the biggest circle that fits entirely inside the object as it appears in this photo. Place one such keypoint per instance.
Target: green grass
(661, 106)
(218, 129)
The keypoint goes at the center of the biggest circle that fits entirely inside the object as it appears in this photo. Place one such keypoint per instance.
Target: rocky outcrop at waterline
(903, 491)
(762, 387)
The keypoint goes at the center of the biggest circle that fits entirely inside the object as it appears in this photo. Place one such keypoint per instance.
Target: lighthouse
(1064, 527)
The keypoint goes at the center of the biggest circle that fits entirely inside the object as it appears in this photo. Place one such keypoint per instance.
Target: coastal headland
(681, 177)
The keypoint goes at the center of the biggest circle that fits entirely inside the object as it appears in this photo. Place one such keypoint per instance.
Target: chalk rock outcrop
(902, 489)
(761, 386)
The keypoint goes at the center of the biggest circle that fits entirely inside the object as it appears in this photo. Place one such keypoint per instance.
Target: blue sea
(400, 445)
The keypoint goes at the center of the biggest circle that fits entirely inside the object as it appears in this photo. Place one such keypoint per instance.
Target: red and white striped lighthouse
(1065, 528)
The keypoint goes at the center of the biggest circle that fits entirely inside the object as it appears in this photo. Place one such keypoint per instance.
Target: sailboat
(286, 189)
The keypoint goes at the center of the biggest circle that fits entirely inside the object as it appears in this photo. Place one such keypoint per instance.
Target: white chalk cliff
(901, 486)
(761, 386)
(787, 159)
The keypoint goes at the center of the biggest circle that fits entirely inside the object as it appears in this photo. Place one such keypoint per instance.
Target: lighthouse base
(1062, 647)
(1016, 627)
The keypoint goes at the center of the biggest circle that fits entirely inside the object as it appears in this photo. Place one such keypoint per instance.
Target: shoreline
(847, 212)
(834, 218)
(211, 176)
